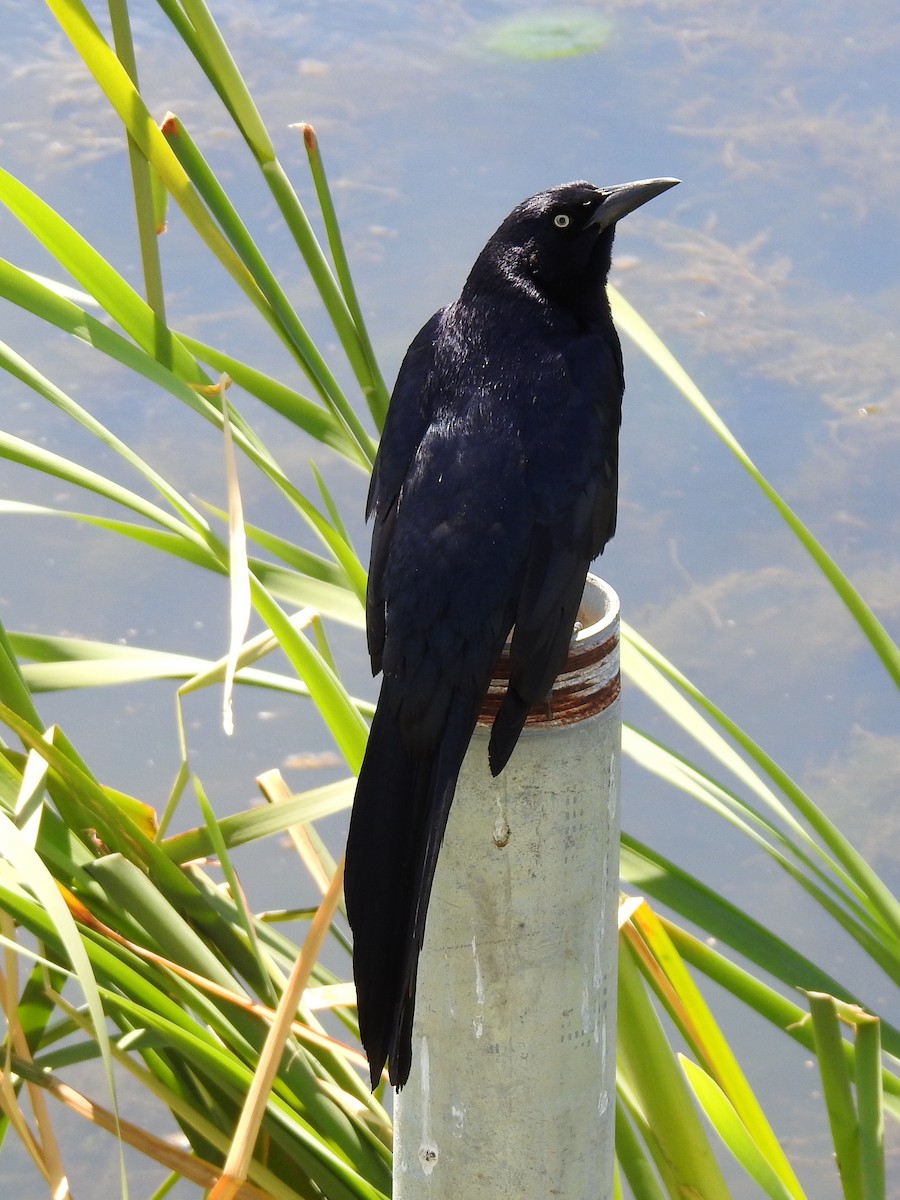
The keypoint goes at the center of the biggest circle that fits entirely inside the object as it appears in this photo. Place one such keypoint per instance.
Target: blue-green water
(772, 272)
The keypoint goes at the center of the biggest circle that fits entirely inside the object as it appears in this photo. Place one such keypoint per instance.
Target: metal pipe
(512, 1091)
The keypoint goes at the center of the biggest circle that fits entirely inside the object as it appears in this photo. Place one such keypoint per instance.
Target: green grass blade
(836, 1088)
(331, 508)
(14, 691)
(376, 394)
(833, 899)
(197, 27)
(205, 41)
(659, 680)
(27, 454)
(144, 667)
(59, 663)
(311, 1153)
(124, 304)
(724, 1119)
(650, 873)
(113, 80)
(24, 371)
(83, 804)
(632, 324)
(320, 423)
(257, 823)
(21, 451)
(337, 709)
(633, 1161)
(45, 301)
(164, 927)
(870, 1105)
(33, 874)
(869, 888)
(93, 273)
(675, 988)
(239, 237)
(299, 561)
(293, 586)
(783, 1014)
(684, 775)
(647, 1064)
(145, 204)
(343, 551)
(244, 917)
(307, 243)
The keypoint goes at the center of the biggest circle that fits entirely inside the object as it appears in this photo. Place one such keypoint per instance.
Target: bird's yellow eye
(562, 220)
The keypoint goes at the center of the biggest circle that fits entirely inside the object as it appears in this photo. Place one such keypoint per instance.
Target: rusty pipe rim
(589, 682)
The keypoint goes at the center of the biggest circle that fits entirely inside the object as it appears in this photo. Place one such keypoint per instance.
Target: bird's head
(559, 242)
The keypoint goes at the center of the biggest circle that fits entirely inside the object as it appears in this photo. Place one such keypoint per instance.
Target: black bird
(494, 488)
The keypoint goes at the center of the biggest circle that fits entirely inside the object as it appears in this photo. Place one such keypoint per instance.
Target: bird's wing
(410, 411)
(574, 486)
(454, 552)
(457, 553)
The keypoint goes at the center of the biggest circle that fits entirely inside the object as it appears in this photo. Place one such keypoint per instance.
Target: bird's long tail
(399, 816)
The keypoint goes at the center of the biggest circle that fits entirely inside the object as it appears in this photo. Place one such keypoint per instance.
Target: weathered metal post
(512, 1091)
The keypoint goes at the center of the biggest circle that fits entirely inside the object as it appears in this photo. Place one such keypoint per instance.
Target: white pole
(512, 1090)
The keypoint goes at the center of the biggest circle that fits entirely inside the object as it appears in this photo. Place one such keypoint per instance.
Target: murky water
(772, 272)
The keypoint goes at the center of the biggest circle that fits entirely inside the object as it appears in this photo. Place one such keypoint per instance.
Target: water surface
(772, 272)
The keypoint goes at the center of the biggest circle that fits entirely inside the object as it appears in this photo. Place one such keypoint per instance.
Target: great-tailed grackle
(494, 488)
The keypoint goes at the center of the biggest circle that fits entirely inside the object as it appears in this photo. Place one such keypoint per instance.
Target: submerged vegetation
(240, 1033)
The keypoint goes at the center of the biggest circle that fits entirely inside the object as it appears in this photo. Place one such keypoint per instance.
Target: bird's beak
(624, 198)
